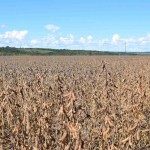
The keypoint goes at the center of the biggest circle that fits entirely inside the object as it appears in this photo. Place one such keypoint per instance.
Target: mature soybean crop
(79, 103)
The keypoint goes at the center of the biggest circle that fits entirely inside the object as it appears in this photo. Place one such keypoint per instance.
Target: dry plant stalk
(80, 103)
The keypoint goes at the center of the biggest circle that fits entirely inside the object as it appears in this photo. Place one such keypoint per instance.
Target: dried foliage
(79, 103)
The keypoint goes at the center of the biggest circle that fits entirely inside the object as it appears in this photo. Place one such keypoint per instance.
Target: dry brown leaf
(64, 136)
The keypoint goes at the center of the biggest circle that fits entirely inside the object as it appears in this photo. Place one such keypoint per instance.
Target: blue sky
(76, 24)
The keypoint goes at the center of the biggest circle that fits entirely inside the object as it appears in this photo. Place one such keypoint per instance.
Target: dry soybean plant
(75, 103)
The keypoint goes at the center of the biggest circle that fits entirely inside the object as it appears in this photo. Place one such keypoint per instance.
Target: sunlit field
(75, 102)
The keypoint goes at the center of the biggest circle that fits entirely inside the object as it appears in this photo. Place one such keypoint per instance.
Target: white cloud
(129, 40)
(89, 38)
(34, 42)
(49, 41)
(82, 40)
(116, 43)
(14, 35)
(67, 40)
(103, 41)
(52, 27)
(115, 38)
(144, 40)
(148, 35)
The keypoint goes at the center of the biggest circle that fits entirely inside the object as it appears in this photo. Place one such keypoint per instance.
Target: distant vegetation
(43, 51)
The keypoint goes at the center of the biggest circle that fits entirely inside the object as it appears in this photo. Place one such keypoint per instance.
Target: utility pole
(125, 47)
